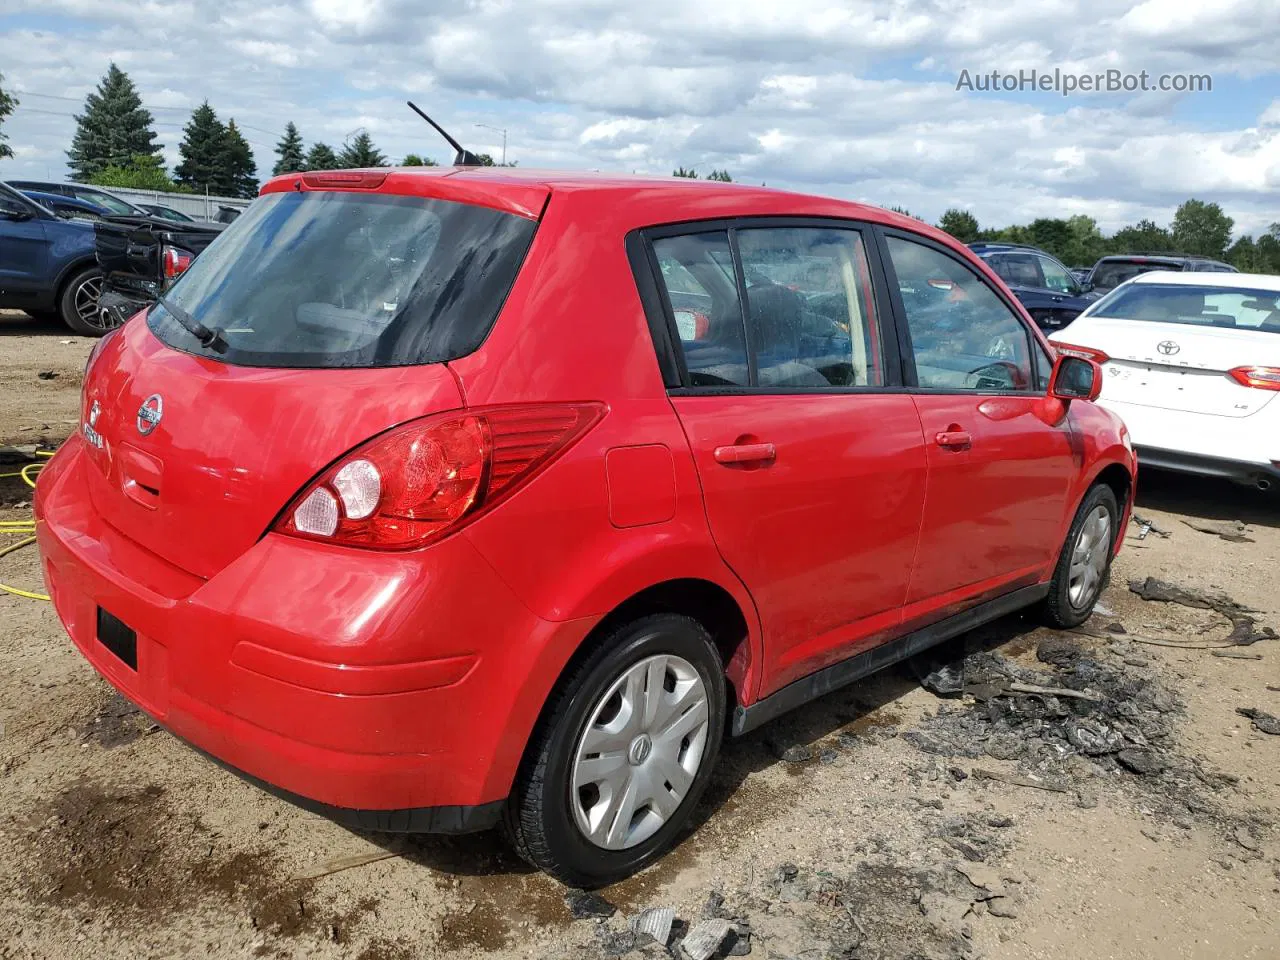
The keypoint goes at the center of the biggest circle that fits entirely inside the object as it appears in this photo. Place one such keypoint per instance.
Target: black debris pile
(1050, 721)
(1262, 722)
(896, 902)
(1233, 531)
(1244, 626)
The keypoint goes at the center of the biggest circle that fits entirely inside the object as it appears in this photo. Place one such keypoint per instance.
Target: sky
(857, 100)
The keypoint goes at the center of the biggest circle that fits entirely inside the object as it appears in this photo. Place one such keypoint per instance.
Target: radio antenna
(464, 158)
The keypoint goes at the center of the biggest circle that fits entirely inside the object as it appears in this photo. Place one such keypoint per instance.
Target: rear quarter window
(335, 279)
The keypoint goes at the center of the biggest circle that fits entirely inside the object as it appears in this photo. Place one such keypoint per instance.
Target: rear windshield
(1112, 273)
(1205, 306)
(332, 279)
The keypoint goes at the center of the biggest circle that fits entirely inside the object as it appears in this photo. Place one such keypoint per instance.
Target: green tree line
(115, 145)
(1197, 227)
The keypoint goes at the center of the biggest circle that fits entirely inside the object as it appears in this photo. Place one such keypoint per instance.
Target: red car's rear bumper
(393, 690)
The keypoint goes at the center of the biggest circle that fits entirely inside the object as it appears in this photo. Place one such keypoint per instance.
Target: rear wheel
(1084, 566)
(622, 755)
(78, 305)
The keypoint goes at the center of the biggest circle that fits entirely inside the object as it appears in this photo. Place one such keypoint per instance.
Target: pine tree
(689, 174)
(113, 130)
(360, 153)
(240, 176)
(203, 150)
(321, 157)
(289, 150)
(7, 103)
(721, 175)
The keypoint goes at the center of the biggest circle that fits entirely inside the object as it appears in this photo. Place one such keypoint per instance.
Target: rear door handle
(746, 453)
(953, 439)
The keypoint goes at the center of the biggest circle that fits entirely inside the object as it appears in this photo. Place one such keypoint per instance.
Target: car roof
(523, 191)
(1242, 281)
(1002, 245)
(1156, 257)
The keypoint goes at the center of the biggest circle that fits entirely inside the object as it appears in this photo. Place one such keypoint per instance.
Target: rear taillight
(1263, 378)
(419, 482)
(176, 261)
(1089, 353)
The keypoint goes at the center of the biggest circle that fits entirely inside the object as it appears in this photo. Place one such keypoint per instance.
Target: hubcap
(1089, 558)
(86, 304)
(640, 752)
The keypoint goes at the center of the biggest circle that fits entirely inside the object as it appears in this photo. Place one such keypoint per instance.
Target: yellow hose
(28, 475)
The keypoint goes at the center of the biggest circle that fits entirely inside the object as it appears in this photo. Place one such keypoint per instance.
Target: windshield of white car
(1206, 306)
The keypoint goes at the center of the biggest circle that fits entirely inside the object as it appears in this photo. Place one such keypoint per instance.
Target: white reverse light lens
(317, 514)
(360, 485)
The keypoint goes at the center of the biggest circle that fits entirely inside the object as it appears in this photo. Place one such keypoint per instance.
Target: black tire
(539, 820)
(69, 303)
(1058, 610)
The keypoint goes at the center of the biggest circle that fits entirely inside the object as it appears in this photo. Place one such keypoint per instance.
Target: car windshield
(107, 201)
(336, 279)
(1206, 306)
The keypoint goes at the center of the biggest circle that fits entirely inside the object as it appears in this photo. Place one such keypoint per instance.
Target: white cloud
(820, 95)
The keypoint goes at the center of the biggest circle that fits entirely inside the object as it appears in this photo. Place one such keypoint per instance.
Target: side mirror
(1075, 378)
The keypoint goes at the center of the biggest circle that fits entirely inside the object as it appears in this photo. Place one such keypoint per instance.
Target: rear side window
(805, 317)
(962, 335)
(1020, 268)
(333, 279)
(810, 311)
(697, 274)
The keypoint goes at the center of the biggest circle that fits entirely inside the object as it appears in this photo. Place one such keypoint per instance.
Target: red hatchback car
(435, 499)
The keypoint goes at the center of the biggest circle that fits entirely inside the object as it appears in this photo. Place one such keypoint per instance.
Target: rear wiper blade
(211, 338)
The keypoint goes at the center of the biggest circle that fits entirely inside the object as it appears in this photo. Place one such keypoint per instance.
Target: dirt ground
(901, 825)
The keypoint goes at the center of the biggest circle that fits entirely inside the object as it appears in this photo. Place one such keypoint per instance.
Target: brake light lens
(1088, 353)
(176, 260)
(1262, 378)
(351, 179)
(423, 480)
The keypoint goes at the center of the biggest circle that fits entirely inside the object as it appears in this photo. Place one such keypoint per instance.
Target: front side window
(810, 310)
(337, 279)
(12, 206)
(962, 335)
(1056, 277)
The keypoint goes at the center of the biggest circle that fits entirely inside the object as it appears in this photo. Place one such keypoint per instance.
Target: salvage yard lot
(1141, 820)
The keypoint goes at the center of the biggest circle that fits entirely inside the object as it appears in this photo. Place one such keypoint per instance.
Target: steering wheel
(1001, 375)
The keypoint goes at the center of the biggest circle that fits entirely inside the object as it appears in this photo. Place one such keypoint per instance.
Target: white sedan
(1192, 365)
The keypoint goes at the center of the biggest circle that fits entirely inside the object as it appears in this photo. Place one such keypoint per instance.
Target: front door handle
(746, 453)
(953, 439)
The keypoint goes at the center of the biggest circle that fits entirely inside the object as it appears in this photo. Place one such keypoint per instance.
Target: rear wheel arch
(709, 604)
(67, 274)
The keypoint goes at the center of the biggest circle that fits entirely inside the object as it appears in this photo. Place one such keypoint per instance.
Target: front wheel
(78, 305)
(623, 753)
(1085, 563)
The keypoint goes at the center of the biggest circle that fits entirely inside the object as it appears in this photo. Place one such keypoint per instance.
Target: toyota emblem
(149, 414)
(1167, 348)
